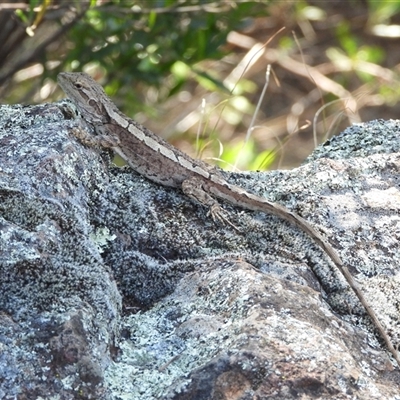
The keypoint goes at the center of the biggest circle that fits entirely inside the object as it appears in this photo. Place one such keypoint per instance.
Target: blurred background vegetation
(195, 71)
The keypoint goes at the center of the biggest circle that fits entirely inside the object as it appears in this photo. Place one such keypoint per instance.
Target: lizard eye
(78, 85)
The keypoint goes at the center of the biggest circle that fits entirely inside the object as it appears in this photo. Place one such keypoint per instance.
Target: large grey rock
(116, 288)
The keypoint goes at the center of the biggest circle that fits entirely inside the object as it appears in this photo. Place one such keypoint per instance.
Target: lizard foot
(218, 214)
(193, 187)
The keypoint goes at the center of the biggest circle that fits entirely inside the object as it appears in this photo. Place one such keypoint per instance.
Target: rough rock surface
(113, 287)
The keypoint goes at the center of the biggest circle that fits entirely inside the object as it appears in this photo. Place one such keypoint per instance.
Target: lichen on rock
(116, 288)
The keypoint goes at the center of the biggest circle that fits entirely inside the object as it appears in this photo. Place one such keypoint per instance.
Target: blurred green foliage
(146, 41)
(159, 60)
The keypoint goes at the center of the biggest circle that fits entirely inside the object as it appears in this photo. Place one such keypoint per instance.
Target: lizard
(157, 160)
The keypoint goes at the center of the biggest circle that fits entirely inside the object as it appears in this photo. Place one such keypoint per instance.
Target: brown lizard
(162, 163)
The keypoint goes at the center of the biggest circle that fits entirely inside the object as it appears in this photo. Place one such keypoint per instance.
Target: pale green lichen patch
(101, 238)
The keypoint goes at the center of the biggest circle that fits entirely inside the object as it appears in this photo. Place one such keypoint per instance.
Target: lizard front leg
(193, 188)
(101, 140)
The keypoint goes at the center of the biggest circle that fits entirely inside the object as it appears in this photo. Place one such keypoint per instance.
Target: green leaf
(239, 154)
(21, 15)
(209, 82)
(152, 19)
(263, 161)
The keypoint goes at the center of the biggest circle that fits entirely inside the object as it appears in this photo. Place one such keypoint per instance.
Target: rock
(116, 288)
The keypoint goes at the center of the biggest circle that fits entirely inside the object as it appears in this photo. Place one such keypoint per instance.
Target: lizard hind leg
(193, 188)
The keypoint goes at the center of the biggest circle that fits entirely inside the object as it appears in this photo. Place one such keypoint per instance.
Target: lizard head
(87, 95)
